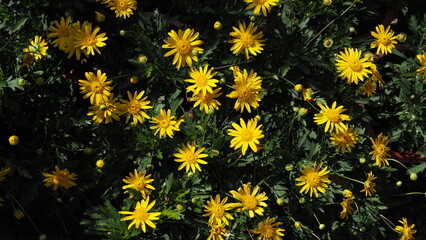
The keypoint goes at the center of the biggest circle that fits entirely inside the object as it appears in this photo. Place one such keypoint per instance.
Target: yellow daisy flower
(380, 150)
(406, 231)
(422, 69)
(207, 101)
(96, 87)
(308, 94)
(269, 230)
(141, 215)
(61, 178)
(247, 89)
(216, 210)
(376, 77)
(88, 39)
(246, 40)
(202, 79)
(332, 117)
(3, 173)
(139, 181)
(351, 66)
(217, 232)
(134, 107)
(369, 185)
(122, 8)
(184, 46)
(38, 47)
(346, 205)
(250, 200)
(314, 179)
(369, 88)
(385, 39)
(165, 123)
(345, 140)
(190, 157)
(258, 5)
(61, 31)
(71, 42)
(106, 112)
(27, 60)
(246, 135)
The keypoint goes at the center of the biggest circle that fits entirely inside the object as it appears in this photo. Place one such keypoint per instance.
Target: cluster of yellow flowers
(250, 201)
(76, 38)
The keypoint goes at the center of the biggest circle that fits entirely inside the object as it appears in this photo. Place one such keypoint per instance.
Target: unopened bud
(217, 25)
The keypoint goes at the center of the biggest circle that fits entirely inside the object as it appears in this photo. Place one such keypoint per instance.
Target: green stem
(25, 212)
(358, 181)
(400, 163)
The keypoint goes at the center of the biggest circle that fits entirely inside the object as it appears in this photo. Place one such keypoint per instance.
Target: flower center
(122, 6)
(385, 40)
(57, 179)
(183, 47)
(89, 41)
(250, 202)
(191, 159)
(140, 185)
(247, 135)
(247, 39)
(268, 232)
(63, 32)
(355, 65)
(164, 123)
(97, 87)
(201, 81)
(244, 94)
(313, 179)
(332, 115)
(133, 108)
(260, 2)
(381, 149)
(219, 211)
(140, 214)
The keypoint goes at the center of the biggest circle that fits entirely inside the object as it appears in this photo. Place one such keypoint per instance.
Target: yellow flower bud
(14, 140)
(328, 42)
(298, 87)
(142, 59)
(100, 163)
(134, 79)
(18, 214)
(327, 2)
(401, 37)
(217, 25)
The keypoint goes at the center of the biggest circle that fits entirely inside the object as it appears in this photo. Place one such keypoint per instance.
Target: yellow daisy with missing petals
(184, 45)
(376, 77)
(422, 60)
(106, 112)
(217, 232)
(351, 66)
(61, 178)
(134, 107)
(406, 231)
(246, 40)
(202, 79)
(261, 5)
(27, 60)
(60, 31)
(369, 88)
(369, 185)
(122, 8)
(165, 124)
(190, 157)
(385, 39)
(269, 230)
(139, 181)
(38, 47)
(346, 205)
(88, 39)
(314, 179)
(345, 140)
(247, 89)
(246, 135)
(3, 173)
(380, 150)
(332, 117)
(216, 210)
(207, 101)
(250, 200)
(96, 87)
(141, 215)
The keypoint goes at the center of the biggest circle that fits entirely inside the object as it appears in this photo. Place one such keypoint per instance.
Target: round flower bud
(413, 177)
(401, 37)
(14, 140)
(303, 112)
(215, 152)
(193, 200)
(362, 160)
(328, 42)
(302, 200)
(321, 226)
(327, 2)
(362, 229)
(351, 29)
(298, 87)
(22, 82)
(18, 214)
(210, 111)
(103, 107)
(87, 151)
(40, 81)
(180, 207)
(123, 32)
(142, 59)
(100, 163)
(289, 167)
(217, 25)
(297, 224)
(252, 18)
(134, 79)
(99, 17)
(190, 174)
(296, 109)
(280, 201)
(194, 52)
(39, 152)
(42, 237)
(398, 184)
(222, 81)
(369, 55)
(257, 118)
